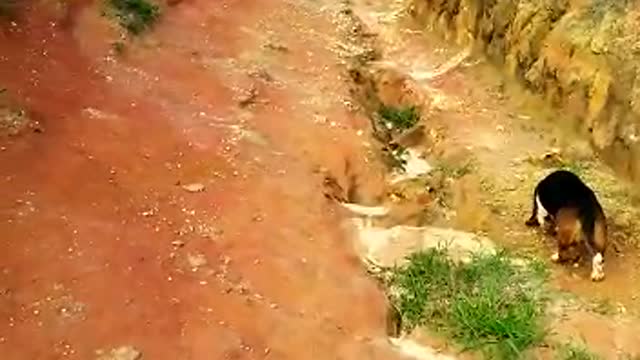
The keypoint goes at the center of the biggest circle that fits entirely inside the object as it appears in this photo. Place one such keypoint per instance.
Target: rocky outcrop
(580, 55)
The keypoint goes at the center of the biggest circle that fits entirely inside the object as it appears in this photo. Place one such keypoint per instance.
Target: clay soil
(170, 202)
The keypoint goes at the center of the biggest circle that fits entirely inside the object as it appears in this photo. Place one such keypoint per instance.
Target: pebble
(196, 260)
(193, 187)
(177, 243)
(120, 353)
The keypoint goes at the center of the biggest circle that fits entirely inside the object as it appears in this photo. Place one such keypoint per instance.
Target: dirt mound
(579, 55)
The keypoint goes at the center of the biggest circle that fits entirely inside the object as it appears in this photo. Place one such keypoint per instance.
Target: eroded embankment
(487, 154)
(581, 56)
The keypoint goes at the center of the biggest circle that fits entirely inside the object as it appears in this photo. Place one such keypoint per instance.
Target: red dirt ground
(101, 247)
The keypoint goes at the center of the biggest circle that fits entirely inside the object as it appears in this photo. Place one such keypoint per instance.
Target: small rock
(196, 260)
(248, 97)
(551, 153)
(36, 127)
(177, 244)
(194, 187)
(148, 213)
(275, 46)
(261, 74)
(120, 353)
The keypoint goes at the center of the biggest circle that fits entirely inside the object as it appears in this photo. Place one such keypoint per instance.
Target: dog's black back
(563, 188)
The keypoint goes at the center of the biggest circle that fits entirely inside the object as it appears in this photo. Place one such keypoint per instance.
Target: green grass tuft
(488, 304)
(135, 15)
(394, 157)
(399, 118)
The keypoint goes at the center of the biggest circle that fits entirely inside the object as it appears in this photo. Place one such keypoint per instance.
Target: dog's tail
(533, 220)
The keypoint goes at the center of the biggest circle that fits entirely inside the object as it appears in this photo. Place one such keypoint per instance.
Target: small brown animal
(572, 242)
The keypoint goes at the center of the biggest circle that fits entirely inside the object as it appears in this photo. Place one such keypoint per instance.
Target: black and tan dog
(564, 200)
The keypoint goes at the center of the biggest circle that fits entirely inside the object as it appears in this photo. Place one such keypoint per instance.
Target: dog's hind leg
(597, 267)
(599, 247)
(597, 259)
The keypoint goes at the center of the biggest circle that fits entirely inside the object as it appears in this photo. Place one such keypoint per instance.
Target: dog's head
(568, 234)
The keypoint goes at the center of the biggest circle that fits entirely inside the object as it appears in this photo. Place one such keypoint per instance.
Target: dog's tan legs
(597, 267)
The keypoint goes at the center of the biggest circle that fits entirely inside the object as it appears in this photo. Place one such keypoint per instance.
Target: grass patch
(573, 351)
(135, 15)
(399, 118)
(488, 304)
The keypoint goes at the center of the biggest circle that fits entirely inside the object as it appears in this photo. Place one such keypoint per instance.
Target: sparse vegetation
(577, 167)
(456, 171)
(394, 156)
(135, 15)
(7, 7)
(399, 118)
(573, 351)
(555, 160)
(118, 47)
(488, 304)
(597, 9)
(625, 356)
(366, 56)
(13, 116)
(603, 307)
(12, 120)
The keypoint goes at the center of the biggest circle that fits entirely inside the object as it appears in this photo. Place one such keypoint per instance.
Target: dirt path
(102, 247)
